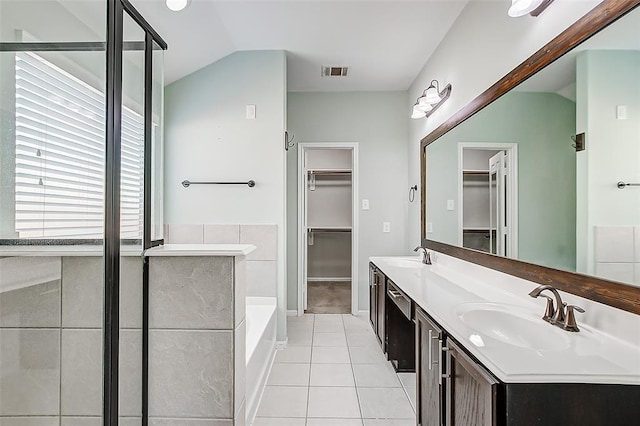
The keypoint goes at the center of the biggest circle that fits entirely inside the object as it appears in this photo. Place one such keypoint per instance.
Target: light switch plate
(386, 227)
(365, 204)
(450, 205)
(621, 112)
(251, 112)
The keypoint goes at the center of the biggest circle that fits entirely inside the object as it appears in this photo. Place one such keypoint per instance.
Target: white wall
(377, 121)
(208, 138)
(482, 46)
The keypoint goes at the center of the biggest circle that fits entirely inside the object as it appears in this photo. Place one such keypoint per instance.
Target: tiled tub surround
(617, 253)
(197, 334)
(51, 314)
(606, 350)
(261, 263)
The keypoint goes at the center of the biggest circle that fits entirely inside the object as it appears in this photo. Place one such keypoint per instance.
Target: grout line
(353, 373)
(310, 364)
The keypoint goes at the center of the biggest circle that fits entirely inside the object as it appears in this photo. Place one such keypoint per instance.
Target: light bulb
(176, 5)
(418, 113)
(432, 96)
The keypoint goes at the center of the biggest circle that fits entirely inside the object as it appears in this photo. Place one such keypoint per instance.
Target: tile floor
(333, 372)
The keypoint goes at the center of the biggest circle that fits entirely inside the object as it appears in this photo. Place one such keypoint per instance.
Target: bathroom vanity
(484, 356)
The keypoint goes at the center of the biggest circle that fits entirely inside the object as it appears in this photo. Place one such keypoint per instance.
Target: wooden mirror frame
(622, 296)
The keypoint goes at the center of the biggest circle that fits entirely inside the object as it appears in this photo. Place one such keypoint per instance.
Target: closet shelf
(329, 229)
(475, 172)
(319, 172)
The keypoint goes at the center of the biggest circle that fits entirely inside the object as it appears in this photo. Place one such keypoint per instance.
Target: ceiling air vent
(335, 71)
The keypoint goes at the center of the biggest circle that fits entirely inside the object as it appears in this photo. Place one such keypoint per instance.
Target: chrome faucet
(426, 257)
(559, 315)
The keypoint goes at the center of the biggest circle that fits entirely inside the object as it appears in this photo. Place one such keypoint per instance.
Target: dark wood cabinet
(377, 302)
(400, 329)
(429, 388)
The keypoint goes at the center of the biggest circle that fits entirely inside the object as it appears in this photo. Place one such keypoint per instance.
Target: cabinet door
(429, 400)
(373, 297)
(471, 391)
(381, 298)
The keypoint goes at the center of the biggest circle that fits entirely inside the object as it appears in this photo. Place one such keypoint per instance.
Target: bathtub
(261, 348)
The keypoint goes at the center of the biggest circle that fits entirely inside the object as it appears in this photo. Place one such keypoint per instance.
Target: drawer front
(399, 299)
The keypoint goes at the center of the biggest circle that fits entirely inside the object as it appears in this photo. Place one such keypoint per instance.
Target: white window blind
(60, 144)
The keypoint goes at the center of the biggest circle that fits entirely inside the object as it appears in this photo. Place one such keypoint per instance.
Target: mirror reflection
(534, 176)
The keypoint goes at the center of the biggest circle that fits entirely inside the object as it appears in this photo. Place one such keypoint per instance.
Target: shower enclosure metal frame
(114, 47)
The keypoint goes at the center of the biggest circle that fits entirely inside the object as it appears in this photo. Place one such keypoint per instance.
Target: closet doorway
(327, 228)
(488, 197)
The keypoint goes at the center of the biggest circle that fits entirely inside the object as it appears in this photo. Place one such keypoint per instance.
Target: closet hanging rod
(329, 229)
(329, 172)
(188, 183)
(623, 185)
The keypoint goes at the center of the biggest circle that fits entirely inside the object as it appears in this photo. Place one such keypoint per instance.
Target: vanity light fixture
(177, 5)
(531, 7)
(430, 100)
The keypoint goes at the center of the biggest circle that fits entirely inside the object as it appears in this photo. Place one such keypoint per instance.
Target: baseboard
(363, 313)
(328, 279)
(282, 344)
(292, 313)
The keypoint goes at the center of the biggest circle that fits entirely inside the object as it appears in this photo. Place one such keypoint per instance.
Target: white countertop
(559, 356)
(65, 250)
(201, 250)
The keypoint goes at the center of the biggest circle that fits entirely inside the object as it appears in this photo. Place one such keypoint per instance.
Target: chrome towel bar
(250, 184)
(623, 185)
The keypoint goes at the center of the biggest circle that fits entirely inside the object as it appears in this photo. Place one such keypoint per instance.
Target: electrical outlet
(365, 204)
(450, 205)
(251, 112)
(386, 227)
(621, 112)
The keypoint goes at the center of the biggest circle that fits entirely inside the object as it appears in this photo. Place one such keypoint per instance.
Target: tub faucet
(554, 315)
(426, 257)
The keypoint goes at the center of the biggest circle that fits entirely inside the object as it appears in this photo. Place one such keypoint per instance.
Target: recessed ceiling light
(176, 5)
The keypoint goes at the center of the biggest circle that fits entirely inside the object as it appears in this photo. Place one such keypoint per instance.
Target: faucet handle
(550, 309)
(570, 318)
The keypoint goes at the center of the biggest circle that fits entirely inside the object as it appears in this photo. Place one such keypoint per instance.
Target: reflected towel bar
(623, 185)
(187, 183)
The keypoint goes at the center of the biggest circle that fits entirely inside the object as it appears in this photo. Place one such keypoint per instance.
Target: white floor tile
(363, 340)
(333, 403)
(289, 375)
(298, 338)
(334, 422)
(328, 318)
(296, 354)
(277, 421)
(389, 422)
(330, 355)
(331, 375)
(408, 381)
(328, 327)
(376, 376)
(304, 318)
(283, 401)
(329, 339)
(385, 403)
(367, 355)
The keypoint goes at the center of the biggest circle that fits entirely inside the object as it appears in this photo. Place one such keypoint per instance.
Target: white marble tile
(614, 244)
(385, 403)
(330, 355)
(264, 237)
(262, 278)
(329, 339)
(278, 421)
(185, 234)
(34, 306)
(130, 373)
(191, 292)
(333, 402)
(367, 355)
(408, 381)
(289, 375)
(239, 366)
(331, 375)
(81, 372)
(283, 401)
(334, 422)
(376, 375)
(222, 234)
(623, 272)
(294, 354)
(328, 327)
(130, 292)
(157, 421)
(29, 372)
(239, 290)
(30, 421)
(82, 292)
(190, 373)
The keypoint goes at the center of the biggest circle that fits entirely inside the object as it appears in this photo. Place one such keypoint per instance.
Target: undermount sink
(509, 326)
(406, 263)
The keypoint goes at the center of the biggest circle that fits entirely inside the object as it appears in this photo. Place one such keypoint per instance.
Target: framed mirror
(536, 177)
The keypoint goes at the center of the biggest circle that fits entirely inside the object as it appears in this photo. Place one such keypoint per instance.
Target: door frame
(303, 148)
(512, 179)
